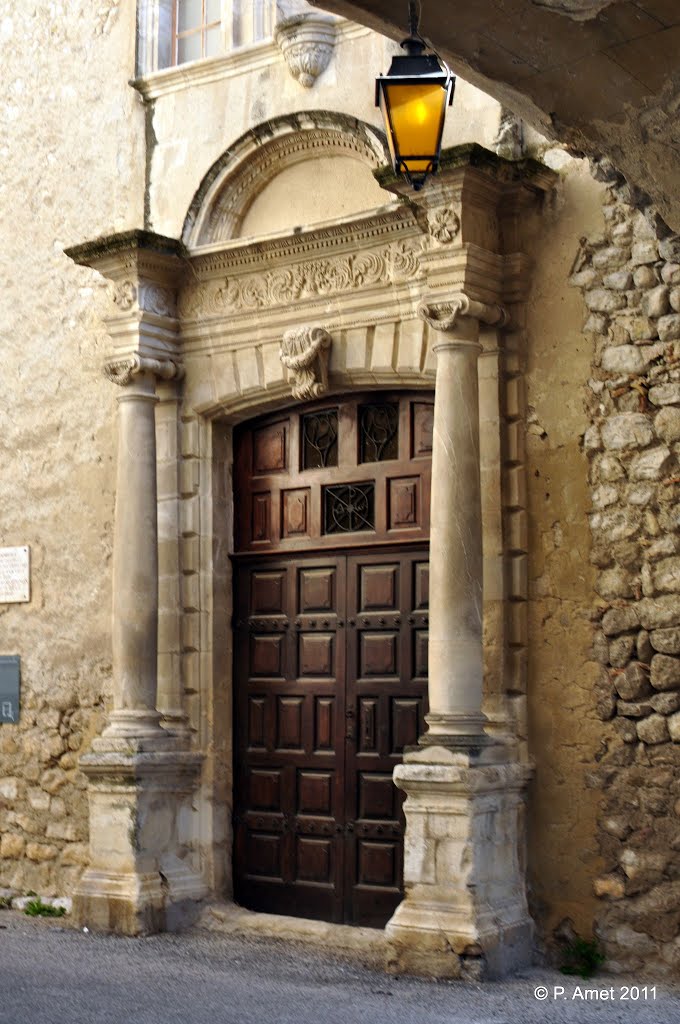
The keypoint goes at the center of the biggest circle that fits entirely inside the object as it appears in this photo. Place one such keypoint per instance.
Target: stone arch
(239, 175)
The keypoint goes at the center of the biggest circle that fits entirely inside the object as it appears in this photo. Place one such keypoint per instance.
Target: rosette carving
(443, 224)
(145, 296)
(305, 352)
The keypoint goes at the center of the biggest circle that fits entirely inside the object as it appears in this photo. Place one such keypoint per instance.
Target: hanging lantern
(413, 97)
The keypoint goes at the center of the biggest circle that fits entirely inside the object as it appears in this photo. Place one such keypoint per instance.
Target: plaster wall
(564, 733)
(71, 167)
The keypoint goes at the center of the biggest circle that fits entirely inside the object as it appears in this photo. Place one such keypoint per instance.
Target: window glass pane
(189, 48)
(320, 439)
(188, 15)
(348, 508)
(212, 42)
(212, 10)
(379, 430)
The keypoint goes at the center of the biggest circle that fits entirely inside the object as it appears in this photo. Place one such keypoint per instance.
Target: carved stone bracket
(305, 352)
(443, 315)
(306, 42)
(121, 371)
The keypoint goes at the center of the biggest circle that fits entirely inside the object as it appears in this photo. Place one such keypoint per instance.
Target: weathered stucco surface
(564, 735)
(71, 167)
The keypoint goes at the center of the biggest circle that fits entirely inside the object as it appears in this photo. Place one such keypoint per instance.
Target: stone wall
(630, 275)
(71, 167)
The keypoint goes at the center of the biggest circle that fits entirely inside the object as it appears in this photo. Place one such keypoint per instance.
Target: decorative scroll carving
(305, 351)
(443, 224)
(306, 42)
(148, 297)
(442, 315)
(398, 262)
(121, 371)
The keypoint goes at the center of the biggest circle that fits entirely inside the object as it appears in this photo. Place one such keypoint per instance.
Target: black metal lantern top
(413, 97)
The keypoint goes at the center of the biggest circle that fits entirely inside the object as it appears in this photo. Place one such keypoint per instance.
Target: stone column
(464, 914)
(455, 637)
(135, 552)
(143, 873)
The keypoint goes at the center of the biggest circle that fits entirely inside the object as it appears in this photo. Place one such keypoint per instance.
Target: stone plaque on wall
(15, 578)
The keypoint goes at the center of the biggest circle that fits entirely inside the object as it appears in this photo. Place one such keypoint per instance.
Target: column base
(465, 913)
(137, 724)
(455, 730)
(139, 879)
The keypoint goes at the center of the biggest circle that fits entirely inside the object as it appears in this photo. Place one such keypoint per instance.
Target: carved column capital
(305, 351)
(444, 314)
(122, 370)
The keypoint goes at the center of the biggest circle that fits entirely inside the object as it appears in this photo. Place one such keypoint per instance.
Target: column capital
(124, 369)
(445, 314)
(145, 270)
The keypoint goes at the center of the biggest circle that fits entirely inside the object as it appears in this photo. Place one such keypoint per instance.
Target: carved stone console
(305, 352)
(306, 42)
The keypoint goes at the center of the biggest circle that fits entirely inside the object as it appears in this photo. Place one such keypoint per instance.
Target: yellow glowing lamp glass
(413, 97)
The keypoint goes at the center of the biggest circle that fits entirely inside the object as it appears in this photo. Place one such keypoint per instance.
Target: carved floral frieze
(308, 279)
(305, 352)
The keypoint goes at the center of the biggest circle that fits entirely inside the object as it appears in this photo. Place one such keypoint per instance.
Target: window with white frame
(197, 29)
(174, 32)
(206, 28)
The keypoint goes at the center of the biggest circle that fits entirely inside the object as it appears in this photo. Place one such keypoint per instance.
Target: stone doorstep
(367, 944)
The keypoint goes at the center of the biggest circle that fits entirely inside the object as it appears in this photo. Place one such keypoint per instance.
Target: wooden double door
(330, 666)
(331, 654)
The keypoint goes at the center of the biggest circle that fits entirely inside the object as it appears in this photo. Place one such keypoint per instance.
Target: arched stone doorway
(331, 570)
(402, 294)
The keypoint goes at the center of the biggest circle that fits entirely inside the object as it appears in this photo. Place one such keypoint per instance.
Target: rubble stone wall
(630, 277)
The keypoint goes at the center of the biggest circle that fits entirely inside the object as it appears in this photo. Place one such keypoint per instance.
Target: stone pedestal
(140, 809)
(465, 913)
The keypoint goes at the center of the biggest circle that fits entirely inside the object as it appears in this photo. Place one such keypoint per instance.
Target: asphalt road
(55, 975)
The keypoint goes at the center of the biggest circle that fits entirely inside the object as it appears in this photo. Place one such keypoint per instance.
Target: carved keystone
(305, 352)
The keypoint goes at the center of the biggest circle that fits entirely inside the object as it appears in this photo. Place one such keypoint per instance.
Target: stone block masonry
(631, 277)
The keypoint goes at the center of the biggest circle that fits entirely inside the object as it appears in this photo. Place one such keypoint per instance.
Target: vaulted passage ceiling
(601, 75)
